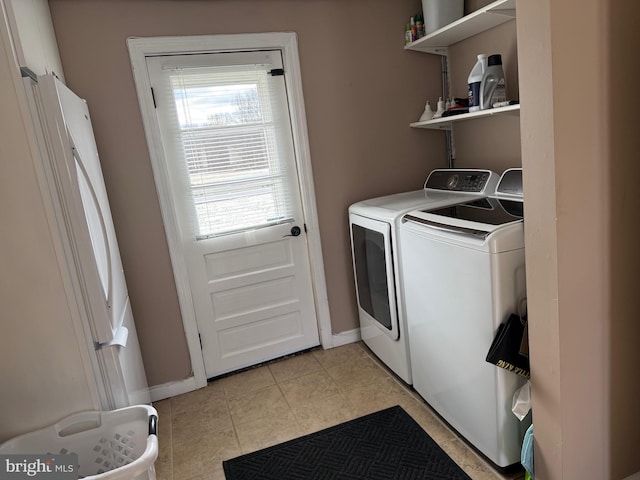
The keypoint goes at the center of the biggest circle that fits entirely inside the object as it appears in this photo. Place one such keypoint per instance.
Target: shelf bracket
(446, 93)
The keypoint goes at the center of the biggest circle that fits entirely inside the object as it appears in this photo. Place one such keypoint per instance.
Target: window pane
(230, 150)
(216, 105)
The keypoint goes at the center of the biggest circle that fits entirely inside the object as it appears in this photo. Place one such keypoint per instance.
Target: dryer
(373, 226)
(463, 271)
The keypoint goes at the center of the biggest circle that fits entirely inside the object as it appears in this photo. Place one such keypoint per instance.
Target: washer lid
(478, 218)
(403, 202)
(484, 210)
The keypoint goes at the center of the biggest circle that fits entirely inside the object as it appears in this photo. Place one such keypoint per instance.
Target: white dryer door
(374, 275)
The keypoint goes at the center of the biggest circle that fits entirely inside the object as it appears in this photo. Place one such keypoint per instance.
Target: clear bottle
(493, 88)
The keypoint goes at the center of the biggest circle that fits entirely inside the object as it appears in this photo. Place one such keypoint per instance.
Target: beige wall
(361, 91)
(580, 162)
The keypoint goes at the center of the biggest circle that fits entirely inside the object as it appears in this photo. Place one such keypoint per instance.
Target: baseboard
(171, 389)
(348, 336)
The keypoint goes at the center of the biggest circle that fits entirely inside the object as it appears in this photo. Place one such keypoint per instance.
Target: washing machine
(373, 226)
(463, 272)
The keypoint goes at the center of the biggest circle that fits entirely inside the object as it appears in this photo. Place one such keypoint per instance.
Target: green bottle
(420, 25)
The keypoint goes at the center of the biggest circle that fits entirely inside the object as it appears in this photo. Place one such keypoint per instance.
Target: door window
(226, 126)
(371, 274)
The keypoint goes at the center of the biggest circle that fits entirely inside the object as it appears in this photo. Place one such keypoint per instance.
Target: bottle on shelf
(427, 114)
(407, 34)
(414, 29)
(420, 25)
(492, 87)
(440, 109)
(475, 81)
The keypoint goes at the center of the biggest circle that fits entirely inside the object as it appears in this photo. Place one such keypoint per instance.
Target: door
(232, 178)
(373, 270)
(86, 216)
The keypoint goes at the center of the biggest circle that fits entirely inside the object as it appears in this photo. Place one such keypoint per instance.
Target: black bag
(510, 347)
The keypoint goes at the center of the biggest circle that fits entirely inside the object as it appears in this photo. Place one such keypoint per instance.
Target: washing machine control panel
(473, 181)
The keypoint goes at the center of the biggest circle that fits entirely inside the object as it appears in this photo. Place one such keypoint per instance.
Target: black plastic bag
(510, 347)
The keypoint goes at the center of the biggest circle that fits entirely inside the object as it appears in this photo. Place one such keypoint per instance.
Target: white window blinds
(224, 124)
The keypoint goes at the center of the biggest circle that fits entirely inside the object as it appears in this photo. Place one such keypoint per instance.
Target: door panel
(230, 159)
(93, 248)
(374, 274)
(258, 296)
(88, 204)
(238, 342)
(236, 262)
(255, 296)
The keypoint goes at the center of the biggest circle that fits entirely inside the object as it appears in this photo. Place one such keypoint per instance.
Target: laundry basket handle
(153, 424)
(77, 423)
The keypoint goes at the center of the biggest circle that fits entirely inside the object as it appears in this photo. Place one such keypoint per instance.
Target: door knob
(295, 231)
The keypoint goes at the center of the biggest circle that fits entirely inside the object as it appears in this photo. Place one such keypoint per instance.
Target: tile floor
(285, 399)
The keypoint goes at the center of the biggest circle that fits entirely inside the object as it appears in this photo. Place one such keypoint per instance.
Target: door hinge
(27, 72)
(305, 227)
(200, 338)
(153, 96)
(276, 72)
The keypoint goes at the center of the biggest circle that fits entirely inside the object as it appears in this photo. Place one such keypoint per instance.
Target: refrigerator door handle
(120, 337)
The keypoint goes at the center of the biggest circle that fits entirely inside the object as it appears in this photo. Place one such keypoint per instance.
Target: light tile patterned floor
(285, 399)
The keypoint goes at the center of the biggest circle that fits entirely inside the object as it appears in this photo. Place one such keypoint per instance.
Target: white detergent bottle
(428, 113)
(475, 79)
(440, 109)
(493, 88)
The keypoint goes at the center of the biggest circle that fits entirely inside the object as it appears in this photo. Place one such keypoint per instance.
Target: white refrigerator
(83, 217)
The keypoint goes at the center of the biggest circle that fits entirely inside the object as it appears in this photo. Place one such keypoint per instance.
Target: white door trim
(139, 48)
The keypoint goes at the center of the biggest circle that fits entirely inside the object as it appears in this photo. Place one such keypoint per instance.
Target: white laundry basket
(113, 445)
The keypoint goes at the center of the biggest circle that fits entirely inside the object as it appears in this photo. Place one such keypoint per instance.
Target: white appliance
(374, 247)
(76, 186)
(463, 272)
